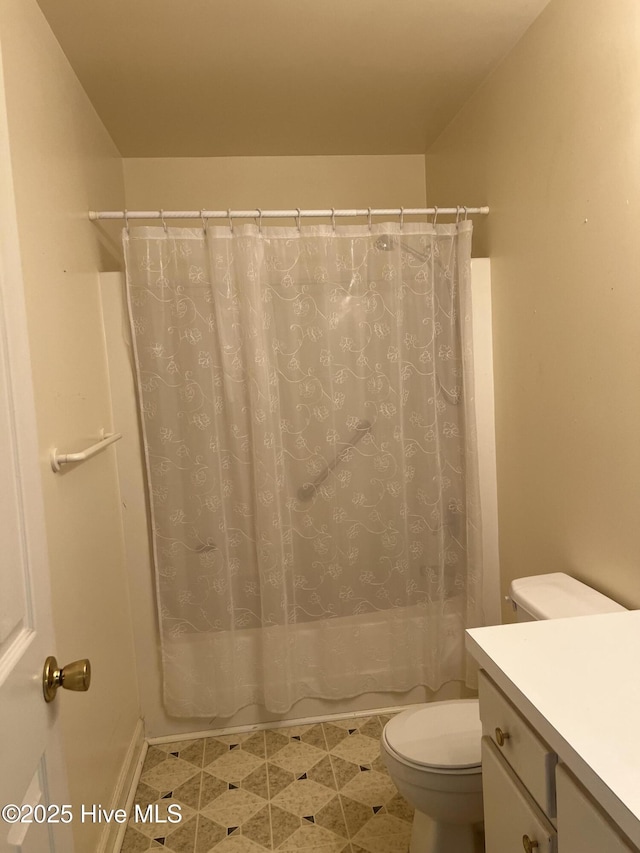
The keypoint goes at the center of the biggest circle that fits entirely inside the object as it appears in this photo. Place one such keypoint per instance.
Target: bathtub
(386, 653)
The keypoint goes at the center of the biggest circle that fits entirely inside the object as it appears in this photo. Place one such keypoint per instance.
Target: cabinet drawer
(582, 826)
(531, 758)
(511, 818)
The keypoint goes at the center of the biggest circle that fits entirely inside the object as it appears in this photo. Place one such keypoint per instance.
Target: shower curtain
(306, 399)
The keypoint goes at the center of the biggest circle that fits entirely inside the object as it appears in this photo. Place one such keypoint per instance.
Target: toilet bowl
(432, 753)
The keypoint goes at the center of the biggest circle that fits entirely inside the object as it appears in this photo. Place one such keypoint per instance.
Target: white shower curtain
(307, 407)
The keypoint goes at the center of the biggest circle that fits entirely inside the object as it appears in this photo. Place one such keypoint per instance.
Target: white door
(31, 770)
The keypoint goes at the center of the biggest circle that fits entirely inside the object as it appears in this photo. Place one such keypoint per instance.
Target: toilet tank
(555, 596)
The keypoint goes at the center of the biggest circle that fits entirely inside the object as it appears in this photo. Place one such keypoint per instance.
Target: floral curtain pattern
(307, 407)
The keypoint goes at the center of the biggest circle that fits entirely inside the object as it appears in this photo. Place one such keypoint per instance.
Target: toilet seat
(443, 737)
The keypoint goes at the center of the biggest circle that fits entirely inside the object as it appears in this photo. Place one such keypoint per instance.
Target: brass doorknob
(501, 737)
(528, 844)
(73, 676)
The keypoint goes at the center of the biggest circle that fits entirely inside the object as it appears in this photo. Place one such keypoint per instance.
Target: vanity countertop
(577, 681)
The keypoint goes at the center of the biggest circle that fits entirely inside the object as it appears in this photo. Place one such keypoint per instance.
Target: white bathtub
(215, 675)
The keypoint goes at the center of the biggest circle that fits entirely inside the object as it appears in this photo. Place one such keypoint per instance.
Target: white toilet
(432, 752)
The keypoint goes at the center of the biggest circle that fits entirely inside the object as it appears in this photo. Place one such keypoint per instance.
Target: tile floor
(316, 788)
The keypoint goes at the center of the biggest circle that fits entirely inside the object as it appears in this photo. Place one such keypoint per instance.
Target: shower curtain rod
(294, 213)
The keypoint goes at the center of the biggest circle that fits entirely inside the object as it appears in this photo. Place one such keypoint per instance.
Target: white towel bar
(60, 459)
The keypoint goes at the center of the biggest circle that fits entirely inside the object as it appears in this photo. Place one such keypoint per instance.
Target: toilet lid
(443, 734)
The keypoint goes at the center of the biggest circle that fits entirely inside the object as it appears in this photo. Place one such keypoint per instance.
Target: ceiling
(202, 78)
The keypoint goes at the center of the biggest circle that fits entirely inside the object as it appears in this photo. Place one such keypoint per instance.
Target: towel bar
(60, 459)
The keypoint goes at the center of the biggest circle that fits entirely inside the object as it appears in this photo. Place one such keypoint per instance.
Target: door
(31, 769)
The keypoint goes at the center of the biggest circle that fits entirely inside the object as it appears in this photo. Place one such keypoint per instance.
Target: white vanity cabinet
(517, 778)
(582, 825)
(564, 692)
(512, 820)
(531, 802)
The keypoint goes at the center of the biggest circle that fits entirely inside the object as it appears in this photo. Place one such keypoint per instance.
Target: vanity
(560, 711)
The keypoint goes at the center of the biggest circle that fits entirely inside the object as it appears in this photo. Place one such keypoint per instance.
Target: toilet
(432, 752)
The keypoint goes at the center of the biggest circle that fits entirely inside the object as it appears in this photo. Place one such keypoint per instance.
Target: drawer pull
(528, 844)
(501, 737)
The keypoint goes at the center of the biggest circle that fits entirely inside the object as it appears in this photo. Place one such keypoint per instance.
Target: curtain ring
(435, 215)
(369, 219)
(458, 212)
(298, 219)
(164, 224)
(333, 219)
(204, 222)
(465, 213)
(401, 218)
(259, 221)
(230, 219)
(126, 220)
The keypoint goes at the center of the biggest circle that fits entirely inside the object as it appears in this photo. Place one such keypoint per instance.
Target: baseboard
(111, 839)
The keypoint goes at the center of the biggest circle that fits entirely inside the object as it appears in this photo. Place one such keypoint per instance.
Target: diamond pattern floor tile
(370, 788)
(187, 750)
(317, 788)
(168, 774)
(331, 817)
(182, 839)
(234, 766)
(234, 807)
(278, 778)
(297, 757)
(236, 844)
(357, 748)
(384, 834)
(304, 797)
(258, 829)
(283, 825)
(312, 837)
(134, 841)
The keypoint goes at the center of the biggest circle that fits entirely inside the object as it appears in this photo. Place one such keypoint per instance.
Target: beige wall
(63, 164)
(274, 182)
(552, 143)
